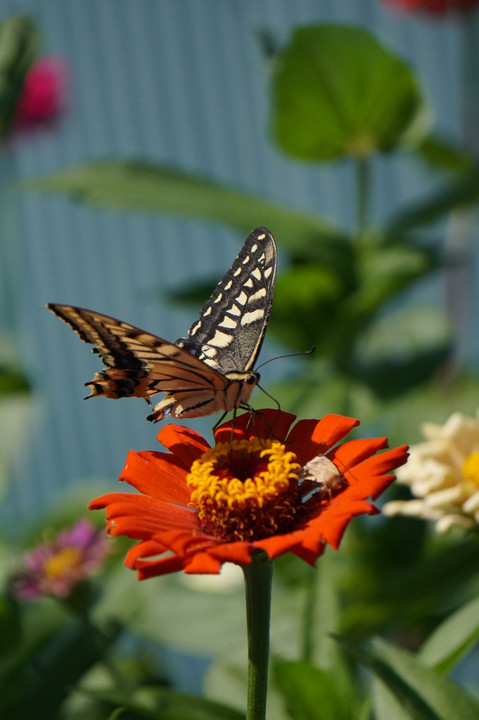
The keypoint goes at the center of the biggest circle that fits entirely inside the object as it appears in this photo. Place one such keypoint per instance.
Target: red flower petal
(169, 536)
(309, 438)
(147, 548)
(372, 476)
(160, 475)
(183, 442)
(152, 568)
(346, 456)
(261, 423)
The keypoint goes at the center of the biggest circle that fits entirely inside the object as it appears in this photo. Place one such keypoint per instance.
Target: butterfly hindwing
(229, 332)
(211, 369)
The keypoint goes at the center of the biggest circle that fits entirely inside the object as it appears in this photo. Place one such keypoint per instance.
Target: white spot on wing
(242, 298)
(196, 328)
(228, 285)
(234, 310)
(221, 339)
(256, 274)
(252, 316)
(254, 248)
(211, 363)
(209, 351)
(257, 295)
(220, 297)
(268, 272)
(248, 283)
(238, 272)
(207, 311)
(228, 322)
(246, 260)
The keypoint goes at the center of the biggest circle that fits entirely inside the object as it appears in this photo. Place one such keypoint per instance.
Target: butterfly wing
(210, 369)
(230, 330)
(139, 364)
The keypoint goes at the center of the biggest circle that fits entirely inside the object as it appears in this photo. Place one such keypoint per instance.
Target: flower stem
(258, 576)
(363, 192)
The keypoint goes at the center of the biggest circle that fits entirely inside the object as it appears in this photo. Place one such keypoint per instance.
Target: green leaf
(19, 41)
(386, 270)
(424, 693)
(136, 185)
(166, 704)
(337, 91)
(444, 154)
(12, 381)
(452, 639)
(9, 627)
(306, 298)
(454, 195)
(311, 693)
(401, 350)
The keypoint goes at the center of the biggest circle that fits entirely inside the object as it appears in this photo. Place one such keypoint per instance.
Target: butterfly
(209, 370)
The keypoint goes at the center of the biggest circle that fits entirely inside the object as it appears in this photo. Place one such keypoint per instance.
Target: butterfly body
(209, 370)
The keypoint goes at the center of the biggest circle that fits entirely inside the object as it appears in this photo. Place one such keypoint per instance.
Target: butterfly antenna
(270, 396)
(289, 355)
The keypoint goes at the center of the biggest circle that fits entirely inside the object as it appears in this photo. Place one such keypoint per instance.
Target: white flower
(443, 474)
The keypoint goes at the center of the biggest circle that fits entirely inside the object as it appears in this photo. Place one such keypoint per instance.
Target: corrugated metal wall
(183, 82)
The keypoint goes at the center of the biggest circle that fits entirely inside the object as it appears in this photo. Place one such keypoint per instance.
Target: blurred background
(152, 138)
(186, 85)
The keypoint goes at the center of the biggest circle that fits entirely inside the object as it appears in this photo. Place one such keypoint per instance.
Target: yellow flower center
(62, 562)
(470, 468)
(247, 491)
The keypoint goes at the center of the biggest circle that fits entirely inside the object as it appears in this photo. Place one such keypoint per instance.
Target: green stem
(258, 576)
(307, 633)
(363, 183)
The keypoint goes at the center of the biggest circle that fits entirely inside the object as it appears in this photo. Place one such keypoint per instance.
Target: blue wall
(183, 82)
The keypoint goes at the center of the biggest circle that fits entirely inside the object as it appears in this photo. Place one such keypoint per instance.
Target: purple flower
(58, 566)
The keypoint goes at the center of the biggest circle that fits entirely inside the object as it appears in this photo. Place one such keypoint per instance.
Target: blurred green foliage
(337, 93)
(19, 46)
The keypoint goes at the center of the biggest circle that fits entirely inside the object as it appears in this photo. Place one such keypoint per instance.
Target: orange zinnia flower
(263, 486)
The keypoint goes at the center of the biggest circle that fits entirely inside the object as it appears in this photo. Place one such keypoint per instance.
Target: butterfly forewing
(208, 371)
(229, 332)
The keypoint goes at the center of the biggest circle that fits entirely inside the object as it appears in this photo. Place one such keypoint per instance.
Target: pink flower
(57, 567)
(440, 7)
(43, 95)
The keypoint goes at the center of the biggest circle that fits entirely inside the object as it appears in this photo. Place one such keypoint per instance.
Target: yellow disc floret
(470, 468)
(62, 562)
(245, 491)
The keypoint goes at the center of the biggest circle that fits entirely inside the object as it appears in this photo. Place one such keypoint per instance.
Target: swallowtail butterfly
(209, 370)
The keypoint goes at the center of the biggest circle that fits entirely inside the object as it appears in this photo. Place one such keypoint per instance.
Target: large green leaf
(337, 91)
(136, 185)
(423, 692)
(453, 638)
